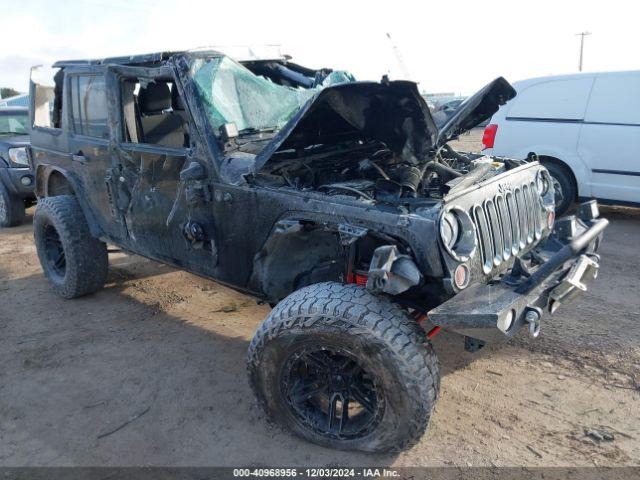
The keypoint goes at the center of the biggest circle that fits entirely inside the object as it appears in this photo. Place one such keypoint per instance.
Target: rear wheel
(72, 260)
(564, 186)
(345, 369)
(12, 209)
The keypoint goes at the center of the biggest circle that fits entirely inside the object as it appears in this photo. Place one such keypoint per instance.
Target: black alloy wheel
(327, 391)
(54, 251)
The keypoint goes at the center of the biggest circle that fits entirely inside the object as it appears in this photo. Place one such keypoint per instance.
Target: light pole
(582, 35)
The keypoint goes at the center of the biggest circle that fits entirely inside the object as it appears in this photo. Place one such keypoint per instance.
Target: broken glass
(231, 93)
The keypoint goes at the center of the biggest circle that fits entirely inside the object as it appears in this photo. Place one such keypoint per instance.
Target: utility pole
(396, 51)
(582, 35)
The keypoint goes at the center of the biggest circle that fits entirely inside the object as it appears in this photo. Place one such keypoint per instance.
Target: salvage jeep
(338, 202)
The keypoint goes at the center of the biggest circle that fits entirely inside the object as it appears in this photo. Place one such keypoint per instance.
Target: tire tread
(86, 257)
(357, 311)
(15, 208)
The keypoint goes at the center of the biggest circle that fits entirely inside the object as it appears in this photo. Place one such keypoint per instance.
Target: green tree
(7, 92)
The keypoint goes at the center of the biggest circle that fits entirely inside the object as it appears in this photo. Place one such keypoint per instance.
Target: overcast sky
(455, 46)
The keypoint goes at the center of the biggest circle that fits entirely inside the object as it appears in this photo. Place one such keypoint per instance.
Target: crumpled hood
(391, 112)
(476, 109)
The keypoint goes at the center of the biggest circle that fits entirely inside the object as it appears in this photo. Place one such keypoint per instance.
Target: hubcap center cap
(338, 383)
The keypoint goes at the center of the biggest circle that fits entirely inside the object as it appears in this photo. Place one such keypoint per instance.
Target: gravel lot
(150, 371)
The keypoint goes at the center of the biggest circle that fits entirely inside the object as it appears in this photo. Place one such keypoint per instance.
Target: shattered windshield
(231, 93)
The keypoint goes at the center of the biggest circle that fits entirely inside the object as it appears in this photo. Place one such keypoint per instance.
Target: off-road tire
(11, 208)
(85, 257)
(384, 339)
(564, 178)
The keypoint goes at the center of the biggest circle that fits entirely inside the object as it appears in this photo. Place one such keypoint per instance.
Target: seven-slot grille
(507, 224)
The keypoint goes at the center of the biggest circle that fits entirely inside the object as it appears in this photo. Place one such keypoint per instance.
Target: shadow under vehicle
(16, 178)
(338, 202)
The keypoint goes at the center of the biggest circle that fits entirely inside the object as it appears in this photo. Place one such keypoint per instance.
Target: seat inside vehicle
(160, 124)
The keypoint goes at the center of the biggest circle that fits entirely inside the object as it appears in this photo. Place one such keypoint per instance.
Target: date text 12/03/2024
(316, 472)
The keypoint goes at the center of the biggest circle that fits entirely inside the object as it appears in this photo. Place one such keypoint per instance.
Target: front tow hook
(532, 317)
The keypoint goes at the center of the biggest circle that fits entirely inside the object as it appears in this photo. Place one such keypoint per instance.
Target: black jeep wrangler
(338, 202)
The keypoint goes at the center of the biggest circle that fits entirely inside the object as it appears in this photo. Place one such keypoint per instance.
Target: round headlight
(450, 230)
(542, 183)
(458, 233)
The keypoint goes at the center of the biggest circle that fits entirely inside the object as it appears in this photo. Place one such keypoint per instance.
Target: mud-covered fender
(43, 174)
(296, 254)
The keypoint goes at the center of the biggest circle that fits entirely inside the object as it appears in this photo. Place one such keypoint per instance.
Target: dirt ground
(150, 371)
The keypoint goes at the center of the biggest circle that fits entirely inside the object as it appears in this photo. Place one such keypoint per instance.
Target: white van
(585, 128)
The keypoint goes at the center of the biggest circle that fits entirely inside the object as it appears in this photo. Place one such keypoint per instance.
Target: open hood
(477, 108)
(390, 112)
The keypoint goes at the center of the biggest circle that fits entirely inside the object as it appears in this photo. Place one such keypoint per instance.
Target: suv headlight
(458, 233)
(19, 156)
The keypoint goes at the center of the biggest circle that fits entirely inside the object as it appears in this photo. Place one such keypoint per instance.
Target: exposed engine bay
(372, 172)
(376, 142)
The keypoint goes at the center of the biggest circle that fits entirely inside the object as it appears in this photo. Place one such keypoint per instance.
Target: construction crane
(396, 52)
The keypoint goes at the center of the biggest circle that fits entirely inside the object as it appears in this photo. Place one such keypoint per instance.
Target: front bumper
(564, 266)
(12, 178)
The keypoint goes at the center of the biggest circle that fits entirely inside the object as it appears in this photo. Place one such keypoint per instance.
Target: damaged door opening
(154, 113)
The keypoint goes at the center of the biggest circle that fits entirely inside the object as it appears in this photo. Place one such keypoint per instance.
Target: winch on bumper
(566, 263)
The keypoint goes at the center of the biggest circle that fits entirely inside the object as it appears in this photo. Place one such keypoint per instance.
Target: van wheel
(345, 369)
(11, 208)
(563, 185)
(72, 260)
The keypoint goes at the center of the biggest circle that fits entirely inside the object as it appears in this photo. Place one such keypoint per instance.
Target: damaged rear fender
(43, 176)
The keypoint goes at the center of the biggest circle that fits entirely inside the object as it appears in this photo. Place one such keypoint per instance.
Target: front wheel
(345, 369)
(12, 208)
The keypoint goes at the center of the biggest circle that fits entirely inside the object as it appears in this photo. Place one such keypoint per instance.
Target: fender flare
(43, 174)
(290, 234)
